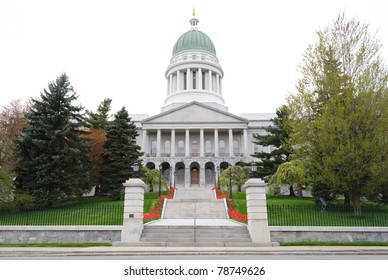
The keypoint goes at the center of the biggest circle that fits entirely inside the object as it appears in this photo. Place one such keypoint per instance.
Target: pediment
(195, 112)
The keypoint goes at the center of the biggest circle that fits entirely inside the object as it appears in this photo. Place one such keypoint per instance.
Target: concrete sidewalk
(133, 251)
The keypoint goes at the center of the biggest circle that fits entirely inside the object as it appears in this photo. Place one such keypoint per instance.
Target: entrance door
(194, 176)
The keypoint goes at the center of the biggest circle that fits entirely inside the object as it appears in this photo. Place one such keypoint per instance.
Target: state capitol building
(194, 137)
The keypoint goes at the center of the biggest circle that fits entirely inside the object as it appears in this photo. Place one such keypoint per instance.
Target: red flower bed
(234, 214)
(219, 194)
(158, 206)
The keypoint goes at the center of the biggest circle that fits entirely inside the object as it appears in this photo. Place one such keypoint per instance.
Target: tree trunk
(292, 193)
(346, 199)
(356, 200)
(300, 193)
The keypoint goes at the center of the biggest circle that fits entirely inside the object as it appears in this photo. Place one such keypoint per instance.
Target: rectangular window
(203, 81)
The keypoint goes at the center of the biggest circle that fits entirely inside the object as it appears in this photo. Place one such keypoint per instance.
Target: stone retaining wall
(329, 234)
(59, 234)
(83, 234)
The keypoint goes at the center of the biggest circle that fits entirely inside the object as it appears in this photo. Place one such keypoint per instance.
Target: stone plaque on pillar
(257, 212)
(133, 210)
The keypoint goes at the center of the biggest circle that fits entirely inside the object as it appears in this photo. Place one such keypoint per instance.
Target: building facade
(194, 137)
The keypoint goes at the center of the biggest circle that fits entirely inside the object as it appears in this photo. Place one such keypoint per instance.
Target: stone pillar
(188, 79)
(187, 144)
(133, 210)
(245, 138)
(171, 84)
(217, 83)
(172, 142)
(158, 142)
(257, 212)
(178, 77)
(199, 79)
(230, 143)
(210, 80)
(201, 143)
(144, 142)
(216, 148)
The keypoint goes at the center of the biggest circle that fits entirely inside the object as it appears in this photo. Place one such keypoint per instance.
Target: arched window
(236, 146)
(194, 147)
(167, 147)
(181, 147)
(208, 146)
(153, 148)
(221, 146)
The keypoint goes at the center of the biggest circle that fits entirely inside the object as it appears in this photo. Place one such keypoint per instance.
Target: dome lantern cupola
(194, 73)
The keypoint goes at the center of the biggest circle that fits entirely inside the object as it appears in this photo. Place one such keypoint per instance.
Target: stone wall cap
(136, 182)
(253, 182)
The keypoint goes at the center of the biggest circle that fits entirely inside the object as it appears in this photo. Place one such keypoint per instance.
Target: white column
(188, 79)
(221, 87)
(210, 81)
(217, 83)
(187, 144)
(201, 143)
(144, 142)
(178, 77)
(158, 142)
(168, 86)
(230, 143)
(171, 85)
(245, 139)
(216, 149)
(172, 142)
(199, 79)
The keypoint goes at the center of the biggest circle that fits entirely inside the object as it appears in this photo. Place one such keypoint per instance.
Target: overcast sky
(121, 48)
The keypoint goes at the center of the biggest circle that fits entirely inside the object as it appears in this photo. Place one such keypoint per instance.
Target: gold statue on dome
(193, 12)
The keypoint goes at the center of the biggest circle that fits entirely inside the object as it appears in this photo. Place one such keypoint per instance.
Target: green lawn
(88, 211)
(282, 211)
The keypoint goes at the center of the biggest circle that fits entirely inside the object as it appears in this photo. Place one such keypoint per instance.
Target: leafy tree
(151, 178)
(277, 137)
(100, 119)
(96, 142)
(290, 173)
(54, 158)
(239, 176)
(12, 121)
(339, 115)
(120, 153)
(6, 189)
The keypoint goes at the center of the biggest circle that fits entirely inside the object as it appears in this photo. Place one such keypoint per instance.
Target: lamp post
(254, 170)
(160, 178)
(230, 182)
(170, 175)
(218, 174)
(135, 168)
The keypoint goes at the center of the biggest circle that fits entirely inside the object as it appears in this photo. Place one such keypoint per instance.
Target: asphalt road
(205, 257)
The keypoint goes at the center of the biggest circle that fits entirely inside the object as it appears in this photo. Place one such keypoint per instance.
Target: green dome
(194, 39)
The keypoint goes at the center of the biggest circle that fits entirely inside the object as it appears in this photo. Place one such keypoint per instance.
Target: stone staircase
(195, 203)
(195, 218)
(196, 236)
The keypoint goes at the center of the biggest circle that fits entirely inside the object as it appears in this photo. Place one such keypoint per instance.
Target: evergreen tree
(54, 159)
(120, 153)
(276, 137)
(100, 119)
